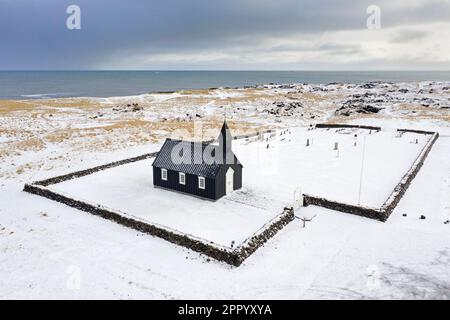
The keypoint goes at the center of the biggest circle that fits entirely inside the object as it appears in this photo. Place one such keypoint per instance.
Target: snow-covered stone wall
(389, 205)
(233, 257)
(403, 185)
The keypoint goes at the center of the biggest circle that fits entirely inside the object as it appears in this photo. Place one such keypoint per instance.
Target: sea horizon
(44, 84)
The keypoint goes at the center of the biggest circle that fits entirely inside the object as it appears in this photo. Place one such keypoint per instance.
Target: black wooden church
(203, 169)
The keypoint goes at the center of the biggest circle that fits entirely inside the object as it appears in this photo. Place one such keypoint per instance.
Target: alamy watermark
(74, 278)
(373, 21)
(73, 21)
(198, 148)
(185, 152)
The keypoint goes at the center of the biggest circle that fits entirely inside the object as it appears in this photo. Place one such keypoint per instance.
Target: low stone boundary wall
(81, 173)
(416, 131)
(248, 247)
(86, 172)
(367, 212)
(355, 126)
(269, 230)
(244, 136)
(382, 213)
(405, 182)
(233, 257)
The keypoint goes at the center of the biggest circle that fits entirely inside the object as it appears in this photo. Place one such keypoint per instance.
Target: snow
(44, 244)
(267, 187)
(288, 163)
(336, 256)
(129, 188)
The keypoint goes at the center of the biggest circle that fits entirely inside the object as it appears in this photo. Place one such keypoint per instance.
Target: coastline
(24, 85)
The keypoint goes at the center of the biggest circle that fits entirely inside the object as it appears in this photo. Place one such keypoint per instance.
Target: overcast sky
(225, 35)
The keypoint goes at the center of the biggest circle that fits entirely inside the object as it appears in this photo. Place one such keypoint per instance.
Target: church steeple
(225, 139)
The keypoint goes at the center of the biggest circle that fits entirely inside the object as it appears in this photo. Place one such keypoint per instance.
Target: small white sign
(298, 199)
(74, 280)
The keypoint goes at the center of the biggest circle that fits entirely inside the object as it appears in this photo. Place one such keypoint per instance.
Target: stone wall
(367, 212)
(197, 245)
(86, 172)
(355, 126)
(405, 182)
(382, 213)
(243, 251)
(265, 233)
(244, 136)
(233, 257)
(416, 131)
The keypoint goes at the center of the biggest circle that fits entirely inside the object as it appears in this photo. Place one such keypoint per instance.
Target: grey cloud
(409, 35)
(34, 36)
(340, 46)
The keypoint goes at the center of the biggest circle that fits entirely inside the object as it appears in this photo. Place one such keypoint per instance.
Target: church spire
(225, 139)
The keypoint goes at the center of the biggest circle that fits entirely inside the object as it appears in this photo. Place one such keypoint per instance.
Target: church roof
(195, 165)
(170, 156)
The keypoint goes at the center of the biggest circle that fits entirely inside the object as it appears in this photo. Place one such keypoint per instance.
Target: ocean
(56, 84)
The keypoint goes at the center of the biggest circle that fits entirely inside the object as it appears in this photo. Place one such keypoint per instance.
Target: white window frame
(182, 178)
(164, 174)
(204, 183)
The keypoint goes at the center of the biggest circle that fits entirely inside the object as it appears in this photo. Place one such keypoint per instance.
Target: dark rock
(347, 109)
(368, 85)
(283, 108)
(129, 107)
(370, 109)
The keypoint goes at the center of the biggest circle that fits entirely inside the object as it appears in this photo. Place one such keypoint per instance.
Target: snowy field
(270, 177)
(129, 188)
(43, 244)
(288, 163)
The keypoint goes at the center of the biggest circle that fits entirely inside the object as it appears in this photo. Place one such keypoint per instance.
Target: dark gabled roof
(195, 166)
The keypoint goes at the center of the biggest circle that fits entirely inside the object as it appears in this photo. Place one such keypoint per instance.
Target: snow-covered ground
(379, 159)
(129, 189)
(270, 178)
(48, 250)
(45, 246)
